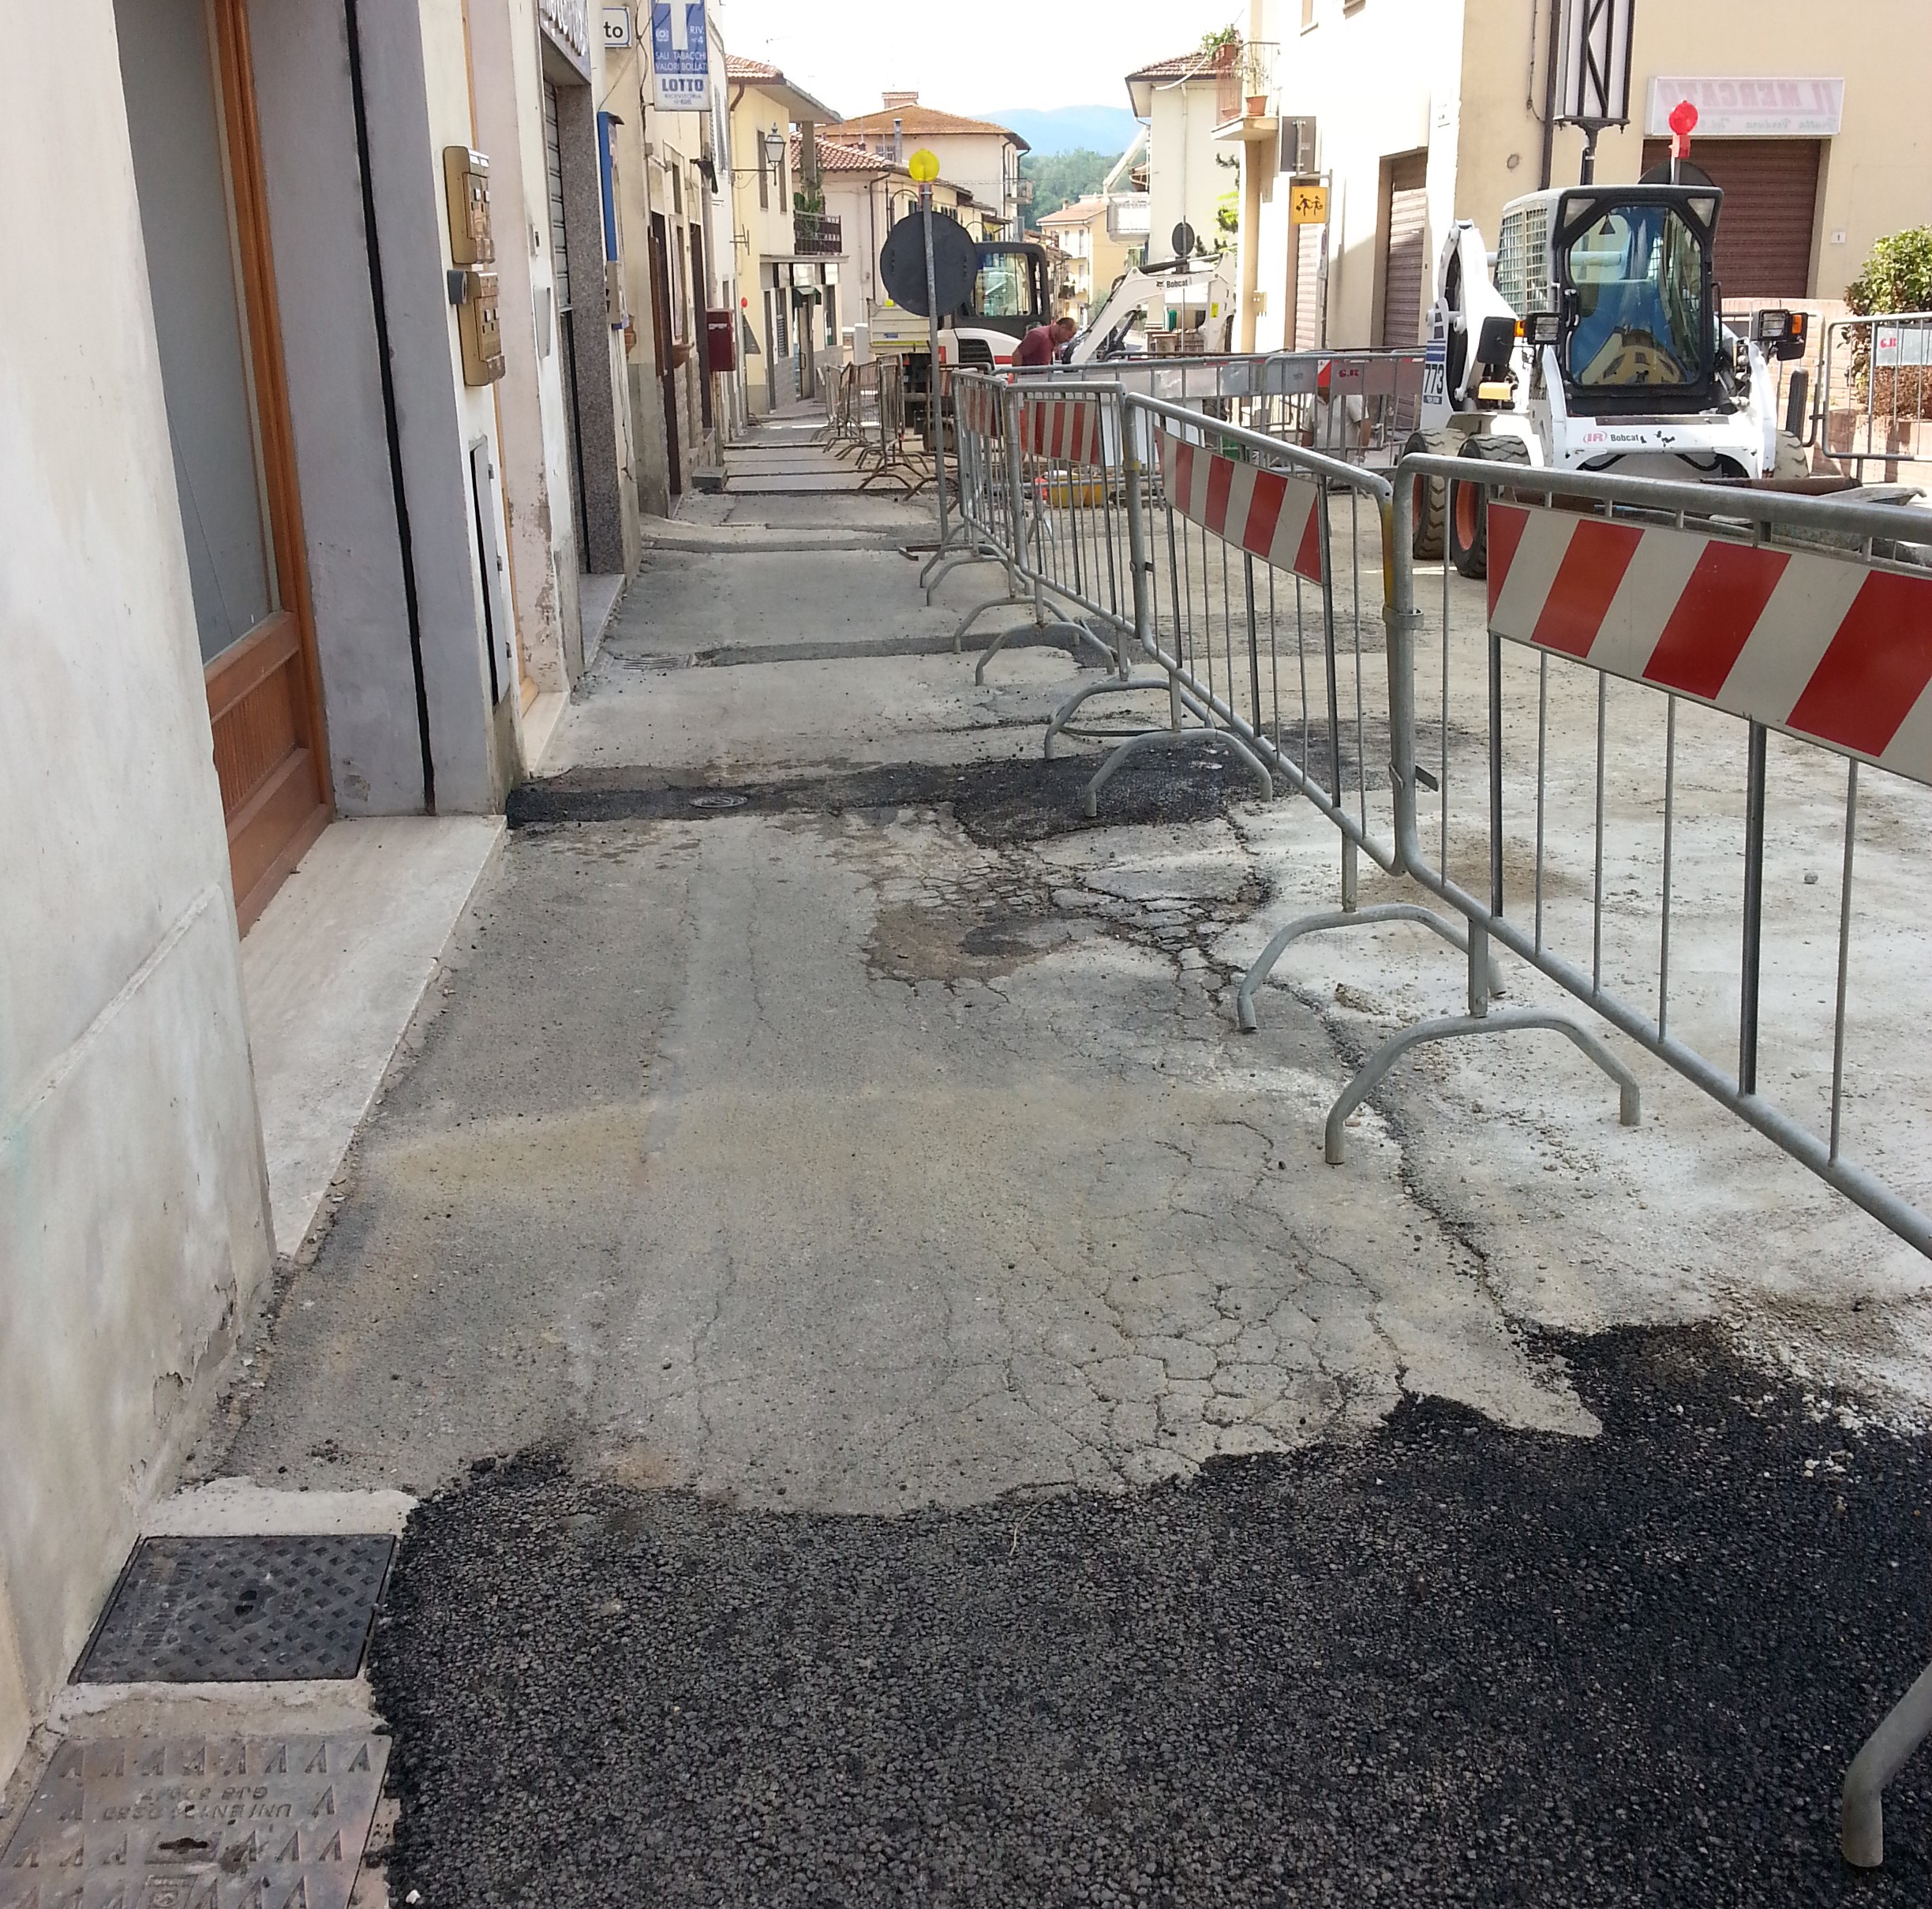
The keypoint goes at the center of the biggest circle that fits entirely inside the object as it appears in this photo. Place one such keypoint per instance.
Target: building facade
(323, 443)
(791, 246)
(672, 222)
(982, 159)
(1424, 113)
(1189, 174)
(1101, 235)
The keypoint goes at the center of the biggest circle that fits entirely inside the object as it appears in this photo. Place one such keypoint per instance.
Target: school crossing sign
(680, 55)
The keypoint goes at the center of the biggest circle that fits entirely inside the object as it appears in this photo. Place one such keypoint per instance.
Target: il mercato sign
(1746, 106)
(568, 23)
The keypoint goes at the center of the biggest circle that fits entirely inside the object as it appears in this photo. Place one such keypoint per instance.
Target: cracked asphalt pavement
(905, 1414)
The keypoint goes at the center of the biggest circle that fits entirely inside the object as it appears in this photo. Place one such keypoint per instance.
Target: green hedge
(1897, 277)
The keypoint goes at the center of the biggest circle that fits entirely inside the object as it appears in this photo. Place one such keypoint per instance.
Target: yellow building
(1424, 112)
(1101, 236)
(789, 257)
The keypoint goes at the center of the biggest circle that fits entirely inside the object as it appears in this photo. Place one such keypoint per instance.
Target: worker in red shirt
(1043, 343)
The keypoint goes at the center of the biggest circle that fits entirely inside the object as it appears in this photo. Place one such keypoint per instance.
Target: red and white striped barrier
(1271, 514)
(977, 408)
(1821, 646)
(1065, 430)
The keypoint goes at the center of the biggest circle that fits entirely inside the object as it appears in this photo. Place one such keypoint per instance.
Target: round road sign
(924, 166)
(902, 264)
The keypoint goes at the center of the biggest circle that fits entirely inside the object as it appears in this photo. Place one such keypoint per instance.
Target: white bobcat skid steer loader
(1597, 347)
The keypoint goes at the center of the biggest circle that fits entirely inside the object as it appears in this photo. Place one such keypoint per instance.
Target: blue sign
(680, 49)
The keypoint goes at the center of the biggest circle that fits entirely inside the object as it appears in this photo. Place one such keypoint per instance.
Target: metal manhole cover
(239, 1610)
(720, 799)
(197, 1823)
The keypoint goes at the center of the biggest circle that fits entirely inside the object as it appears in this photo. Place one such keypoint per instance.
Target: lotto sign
(679, 50)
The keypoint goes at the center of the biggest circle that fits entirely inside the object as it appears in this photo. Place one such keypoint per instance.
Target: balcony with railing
(1245, 81)
(817, 235)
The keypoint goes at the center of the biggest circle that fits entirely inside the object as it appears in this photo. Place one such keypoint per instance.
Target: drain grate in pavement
(197, 1823)
(239, 1610)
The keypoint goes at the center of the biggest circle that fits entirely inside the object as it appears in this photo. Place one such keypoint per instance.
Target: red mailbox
(721, 340)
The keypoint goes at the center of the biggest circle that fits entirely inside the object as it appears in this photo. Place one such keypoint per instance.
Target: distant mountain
(1067, 128)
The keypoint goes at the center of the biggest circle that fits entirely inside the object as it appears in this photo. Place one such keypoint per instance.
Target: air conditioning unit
(1297, 156)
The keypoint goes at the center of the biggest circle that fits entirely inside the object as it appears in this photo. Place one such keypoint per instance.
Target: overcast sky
(987, 54)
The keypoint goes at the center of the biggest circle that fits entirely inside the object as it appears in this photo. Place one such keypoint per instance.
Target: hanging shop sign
(680, 55)
(1748, 108)
(567, 23)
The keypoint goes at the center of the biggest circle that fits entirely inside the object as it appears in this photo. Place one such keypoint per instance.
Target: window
(1639, 275)
(1002, 290)
(764, 178)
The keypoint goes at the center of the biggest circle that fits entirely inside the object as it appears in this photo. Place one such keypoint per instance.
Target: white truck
(1596, 345)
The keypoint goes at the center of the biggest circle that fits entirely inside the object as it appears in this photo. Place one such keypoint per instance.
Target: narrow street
(901, 1412)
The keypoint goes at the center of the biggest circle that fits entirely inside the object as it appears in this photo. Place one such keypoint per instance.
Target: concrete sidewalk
(825, 1147)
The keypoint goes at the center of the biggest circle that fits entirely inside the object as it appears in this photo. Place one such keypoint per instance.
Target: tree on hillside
(1058, 178)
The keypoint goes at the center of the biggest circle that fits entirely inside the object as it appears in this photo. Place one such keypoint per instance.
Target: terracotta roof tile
(922, 121)
(738, 68)
(1206, 64)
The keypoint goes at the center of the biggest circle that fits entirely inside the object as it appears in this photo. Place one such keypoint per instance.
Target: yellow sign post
(1308, 202)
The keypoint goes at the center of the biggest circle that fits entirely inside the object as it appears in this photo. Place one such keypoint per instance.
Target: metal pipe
(1753, 950)
(1861, 1810)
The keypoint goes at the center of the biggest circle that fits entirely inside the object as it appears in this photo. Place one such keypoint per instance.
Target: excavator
(1192, 290)
(1597, 344)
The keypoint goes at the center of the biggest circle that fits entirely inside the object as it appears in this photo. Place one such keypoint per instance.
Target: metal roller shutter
(1770, 198)
(1404, 235)
(1308, 288)
(553, 169)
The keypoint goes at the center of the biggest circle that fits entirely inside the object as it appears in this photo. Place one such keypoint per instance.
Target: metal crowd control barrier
(1357, 406)
(1012, 484)
(1874, 399)
(866, 423)
(980, 530)
(1633, 629)
(1800, 625)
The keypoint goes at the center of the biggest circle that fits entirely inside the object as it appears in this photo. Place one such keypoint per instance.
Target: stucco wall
(1874, 178)
(329, 341)
(1183, 180)
(133, 1202)
(1383, 81)
(1401, 76)
(506, 78)
(416, 82)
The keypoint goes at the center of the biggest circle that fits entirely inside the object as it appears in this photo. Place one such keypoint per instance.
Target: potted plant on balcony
(1255, 80)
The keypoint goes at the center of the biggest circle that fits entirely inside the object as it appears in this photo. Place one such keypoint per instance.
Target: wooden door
(661, 326)
(192, 130)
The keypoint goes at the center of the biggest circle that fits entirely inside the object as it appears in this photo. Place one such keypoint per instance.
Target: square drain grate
(197, 1823)
(239, 1610)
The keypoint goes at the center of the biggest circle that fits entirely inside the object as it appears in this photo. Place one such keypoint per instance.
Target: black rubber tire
(1467, 526)
(1431, 495)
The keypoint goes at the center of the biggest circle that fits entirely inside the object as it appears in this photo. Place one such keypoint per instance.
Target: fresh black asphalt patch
(997, 803)
(1451, 1664)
